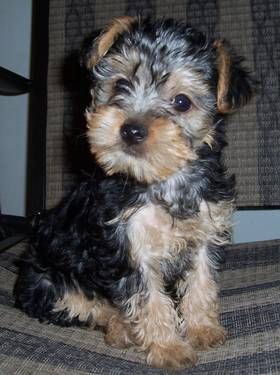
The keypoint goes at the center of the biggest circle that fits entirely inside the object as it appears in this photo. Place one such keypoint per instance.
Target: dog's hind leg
(46, 296)
(36, 292)
(96, 312)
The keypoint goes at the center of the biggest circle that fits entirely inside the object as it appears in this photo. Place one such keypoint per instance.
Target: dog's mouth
(137, 151)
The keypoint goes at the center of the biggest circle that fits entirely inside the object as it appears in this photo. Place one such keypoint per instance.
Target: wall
(15, 43)
(256, 225)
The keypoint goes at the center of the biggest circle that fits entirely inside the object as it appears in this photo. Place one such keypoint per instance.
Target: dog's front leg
(155, 326)
(199, 305)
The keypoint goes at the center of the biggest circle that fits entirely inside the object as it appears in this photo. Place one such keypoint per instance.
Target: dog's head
(157, 88)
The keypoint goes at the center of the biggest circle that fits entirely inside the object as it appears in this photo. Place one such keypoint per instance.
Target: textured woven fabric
(250, 310)
(253, 133)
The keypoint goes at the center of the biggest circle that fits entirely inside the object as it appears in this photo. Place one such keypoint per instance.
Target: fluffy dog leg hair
(199, 305)
(155, 326)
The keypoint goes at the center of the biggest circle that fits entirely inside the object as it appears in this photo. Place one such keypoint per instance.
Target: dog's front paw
(174, 355)
(204, 337)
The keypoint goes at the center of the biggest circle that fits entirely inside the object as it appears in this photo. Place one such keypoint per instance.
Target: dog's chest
(152, 235)
(155, 236)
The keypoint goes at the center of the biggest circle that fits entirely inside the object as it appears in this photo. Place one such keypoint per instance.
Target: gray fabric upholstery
(250, 310)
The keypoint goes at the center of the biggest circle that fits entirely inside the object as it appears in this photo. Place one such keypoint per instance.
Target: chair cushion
(250, 310)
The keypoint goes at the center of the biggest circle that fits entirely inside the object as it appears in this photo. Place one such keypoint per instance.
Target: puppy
(136, 252)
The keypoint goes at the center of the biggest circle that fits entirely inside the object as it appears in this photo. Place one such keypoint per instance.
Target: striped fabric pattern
(250, 310)
(252, 27)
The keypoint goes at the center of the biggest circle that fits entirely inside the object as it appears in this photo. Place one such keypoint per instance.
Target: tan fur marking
(205, 337)
(155, 327)
(166, 149)
(174, 356)
(109, 35)
(103, 133)
(224, 63)
(78, 305)
(118, 333)
(162, 154)
(209, 139)
(149, 231)
(103, 115)
(156, 321)
(154, 235)
(103, 312)
(199, 306)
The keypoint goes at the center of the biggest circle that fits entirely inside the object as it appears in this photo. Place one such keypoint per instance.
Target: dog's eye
(181, 103)
(122, 85)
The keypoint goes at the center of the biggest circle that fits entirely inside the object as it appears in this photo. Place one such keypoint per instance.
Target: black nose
(133, 133)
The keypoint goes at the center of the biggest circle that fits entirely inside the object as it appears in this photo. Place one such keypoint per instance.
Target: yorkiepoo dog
(136, 252)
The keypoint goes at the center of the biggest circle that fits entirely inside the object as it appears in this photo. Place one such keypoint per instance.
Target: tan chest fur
(154, 235)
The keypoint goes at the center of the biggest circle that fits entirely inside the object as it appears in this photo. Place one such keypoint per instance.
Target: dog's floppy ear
(98, 45)
(235, 86)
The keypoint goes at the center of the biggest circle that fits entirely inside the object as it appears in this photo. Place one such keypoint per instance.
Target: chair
(250, 275)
